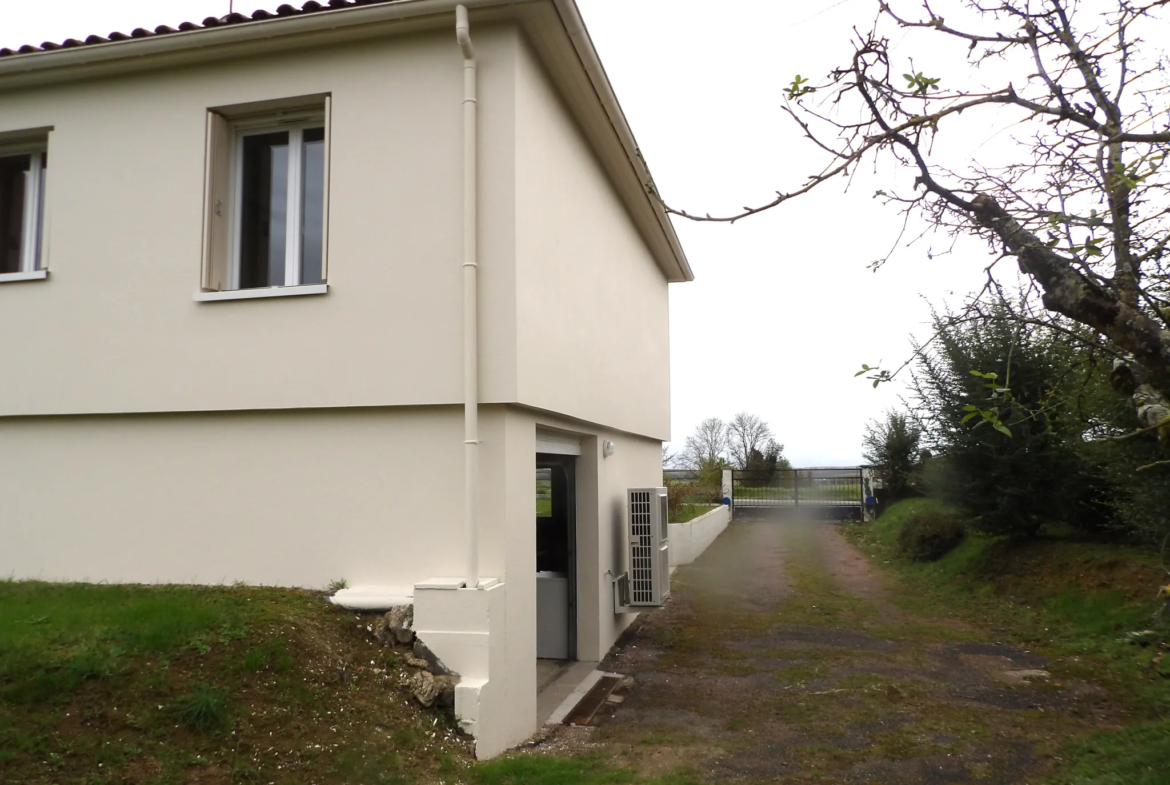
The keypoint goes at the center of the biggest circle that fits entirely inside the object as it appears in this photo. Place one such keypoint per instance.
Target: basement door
(556, 557)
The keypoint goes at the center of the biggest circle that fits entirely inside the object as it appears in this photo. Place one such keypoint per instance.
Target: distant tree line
(745, 443)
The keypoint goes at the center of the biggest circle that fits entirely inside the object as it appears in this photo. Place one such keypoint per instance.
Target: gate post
(727, 485)
(867, 498)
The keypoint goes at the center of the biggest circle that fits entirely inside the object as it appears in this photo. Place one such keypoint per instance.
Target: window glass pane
(552, 520)
(264, 210)
(13, 173)
(313, 206)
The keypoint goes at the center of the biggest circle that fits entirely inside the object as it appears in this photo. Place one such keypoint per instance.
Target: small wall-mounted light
(607, 448)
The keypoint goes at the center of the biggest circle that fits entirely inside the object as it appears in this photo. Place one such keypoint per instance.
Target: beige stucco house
(280, 307)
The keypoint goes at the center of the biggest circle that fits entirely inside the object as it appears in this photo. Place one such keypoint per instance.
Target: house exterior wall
(294, 441)
(591, 302)
(115, 329)
(294, 498)
(507, 535)
(509, 502)
(303, 497)
(573, 307)
(601, 485)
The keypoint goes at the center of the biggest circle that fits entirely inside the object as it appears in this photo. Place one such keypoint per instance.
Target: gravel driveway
(781, 658)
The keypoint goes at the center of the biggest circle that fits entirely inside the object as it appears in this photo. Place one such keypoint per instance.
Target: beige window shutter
(217, 211)
(325, 207)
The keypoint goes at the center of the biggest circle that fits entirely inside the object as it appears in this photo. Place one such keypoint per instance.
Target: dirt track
(781, 658)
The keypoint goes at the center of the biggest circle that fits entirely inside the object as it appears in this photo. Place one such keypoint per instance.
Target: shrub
(1034, 471)
(674, 498)
(892, 445)
(681, 493)
(930, 535)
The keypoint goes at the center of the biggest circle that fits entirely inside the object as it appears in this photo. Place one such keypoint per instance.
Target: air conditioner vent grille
(649, 547)
(641, 548)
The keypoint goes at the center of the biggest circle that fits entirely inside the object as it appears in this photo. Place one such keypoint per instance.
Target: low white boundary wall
(689, 540)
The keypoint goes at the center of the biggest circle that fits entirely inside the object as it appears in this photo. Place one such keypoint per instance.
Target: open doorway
(556, 557)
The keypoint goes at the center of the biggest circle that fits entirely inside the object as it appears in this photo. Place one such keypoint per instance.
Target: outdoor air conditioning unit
(647, 584)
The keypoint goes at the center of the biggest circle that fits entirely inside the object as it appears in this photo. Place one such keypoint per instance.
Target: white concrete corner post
(464, 628)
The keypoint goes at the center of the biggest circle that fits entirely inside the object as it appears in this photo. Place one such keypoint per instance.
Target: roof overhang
(554, 27)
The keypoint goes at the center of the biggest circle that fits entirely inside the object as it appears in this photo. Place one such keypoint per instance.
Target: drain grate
(587, 708)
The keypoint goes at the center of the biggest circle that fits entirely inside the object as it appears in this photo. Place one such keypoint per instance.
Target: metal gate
(830, 492)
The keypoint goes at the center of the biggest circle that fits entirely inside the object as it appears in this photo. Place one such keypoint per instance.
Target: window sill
(32, 275)
(255, 294)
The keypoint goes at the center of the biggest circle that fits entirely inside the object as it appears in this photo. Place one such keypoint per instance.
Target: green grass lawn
(581, 770)
(1074, 600)
(175, 684)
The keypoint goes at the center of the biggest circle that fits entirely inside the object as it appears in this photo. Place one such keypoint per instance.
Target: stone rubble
(400, 623)
(429, 680)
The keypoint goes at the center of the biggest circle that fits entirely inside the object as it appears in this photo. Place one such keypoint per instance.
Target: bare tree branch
(1083, 208)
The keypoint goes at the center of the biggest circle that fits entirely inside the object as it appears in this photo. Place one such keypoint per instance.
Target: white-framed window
(22, 208)
(267, 201)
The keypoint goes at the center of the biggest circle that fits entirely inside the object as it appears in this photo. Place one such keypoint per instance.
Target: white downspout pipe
(470, 297)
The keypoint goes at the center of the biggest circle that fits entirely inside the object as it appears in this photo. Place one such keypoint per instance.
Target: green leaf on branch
(1092, 247)
(799, 87)
(1001, 399)
(876, 375)
(918, 84)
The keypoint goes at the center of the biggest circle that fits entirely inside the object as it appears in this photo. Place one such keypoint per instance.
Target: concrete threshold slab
(578, 688)
(597, 697)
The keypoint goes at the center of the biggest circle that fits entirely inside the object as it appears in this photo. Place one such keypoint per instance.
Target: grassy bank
(223, 685)
(135, 684)
(1083, 604)
(578, 770)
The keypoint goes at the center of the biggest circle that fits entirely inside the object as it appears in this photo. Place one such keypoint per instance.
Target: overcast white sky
(783, 310)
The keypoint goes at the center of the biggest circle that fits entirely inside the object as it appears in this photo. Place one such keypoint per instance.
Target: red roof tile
(312, 6)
